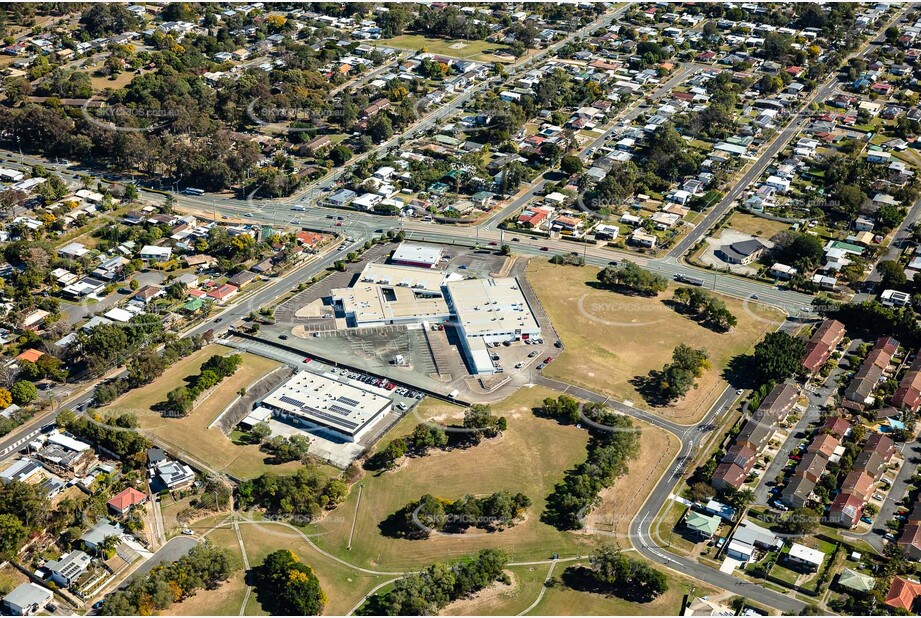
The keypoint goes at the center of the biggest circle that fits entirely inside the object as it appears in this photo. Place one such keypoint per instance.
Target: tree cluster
(615, 573)
(678, 376)
(205, 566)
(429, 591)
(614, 442)
(424, 436)
(303, 494)
(146, 366)
(630, 278)
(287, 448)
(289, 587)
(705, 307)
(130, 446)
(803, 251)
(778, 356)
(419, 518)
(180, 400)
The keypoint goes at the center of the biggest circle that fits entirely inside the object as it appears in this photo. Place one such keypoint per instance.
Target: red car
(339, 224)
(548, 359)
(493, 243)
(391, 386)
(307, 360)
(544, 249)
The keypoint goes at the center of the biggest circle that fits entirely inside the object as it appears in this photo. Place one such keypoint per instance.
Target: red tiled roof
(31, 355)
(126, 499)
(902, 593)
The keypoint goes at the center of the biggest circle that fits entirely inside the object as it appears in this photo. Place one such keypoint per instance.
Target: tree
(340, 155)
(778, 356)
(12, 534)
(677, 377)
(571, 164)
(850, 197)
(892, 274)
(741, 499)
(289, 585)
(260, 432)
(505, 250)
(802, 521)
(5, 399)
(179, 400)
(106, 547)
(23, 392)
(797, 249)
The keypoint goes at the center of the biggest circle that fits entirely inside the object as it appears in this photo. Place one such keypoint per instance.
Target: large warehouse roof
(491, 306)
(408, 253)
(328, 402)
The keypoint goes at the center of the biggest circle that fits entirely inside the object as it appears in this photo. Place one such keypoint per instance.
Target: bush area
(205, 566)
(180, 401)
(419, 518)
(303, 494)
(614, 442)
(429, 591)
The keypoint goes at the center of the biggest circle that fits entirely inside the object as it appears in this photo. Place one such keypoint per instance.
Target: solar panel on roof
(335, 419)
(340, 410)
(291, 401)
(347, 401)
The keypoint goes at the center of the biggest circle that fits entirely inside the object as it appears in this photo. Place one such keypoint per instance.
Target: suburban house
(174, 475)
(68, 568)
(845, 510)
(155, 253)
(122, 502)
(27, 599)
(806, 557)
(902, 594)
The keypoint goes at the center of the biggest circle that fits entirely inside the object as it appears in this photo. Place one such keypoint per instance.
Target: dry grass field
(530, 457)
(756, 226)
(611, 338)
(191, 434)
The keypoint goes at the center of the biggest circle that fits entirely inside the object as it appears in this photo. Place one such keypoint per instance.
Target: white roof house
(806, 555)
(175, 475)
(73, 250)
(27, 599)
(156, 253)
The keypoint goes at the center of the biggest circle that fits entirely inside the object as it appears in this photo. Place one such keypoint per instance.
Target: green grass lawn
(564, 601)
(455, 48)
